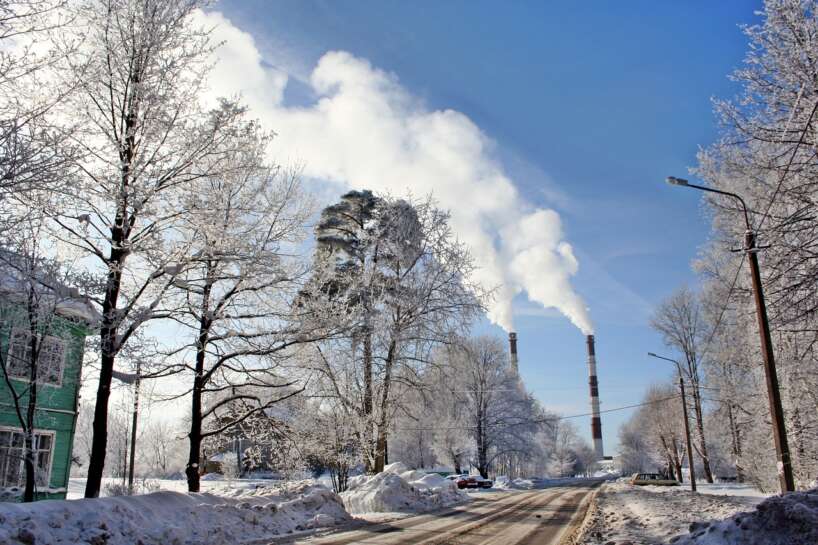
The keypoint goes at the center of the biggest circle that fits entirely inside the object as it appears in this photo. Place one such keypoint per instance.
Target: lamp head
(673, 180)
(652, 354)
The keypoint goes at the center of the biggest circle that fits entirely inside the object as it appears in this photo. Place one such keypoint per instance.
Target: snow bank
(171, 518)
(504, 483)
(653, 514)
(397, 489)
(790, 519)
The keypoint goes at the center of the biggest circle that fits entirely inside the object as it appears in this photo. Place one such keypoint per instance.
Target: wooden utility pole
(690, 462)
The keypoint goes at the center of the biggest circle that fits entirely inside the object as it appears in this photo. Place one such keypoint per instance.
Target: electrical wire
(792, 157)
(545, 420)
(723, 307)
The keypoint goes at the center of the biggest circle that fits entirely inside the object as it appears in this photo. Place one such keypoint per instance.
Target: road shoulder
(622, 513)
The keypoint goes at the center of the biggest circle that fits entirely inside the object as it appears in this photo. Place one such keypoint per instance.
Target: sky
(546, 127)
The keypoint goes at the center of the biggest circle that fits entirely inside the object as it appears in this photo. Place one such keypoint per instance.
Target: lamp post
(687, 424)
(782, 449)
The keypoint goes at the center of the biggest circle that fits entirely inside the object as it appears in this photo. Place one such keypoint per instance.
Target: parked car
(461, 481)
(642, 479)
(470, 481)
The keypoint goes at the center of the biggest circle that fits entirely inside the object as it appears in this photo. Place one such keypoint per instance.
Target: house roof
(17, 275)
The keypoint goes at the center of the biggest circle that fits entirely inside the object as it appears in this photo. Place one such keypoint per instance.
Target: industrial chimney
(512, 341)
(596, 422)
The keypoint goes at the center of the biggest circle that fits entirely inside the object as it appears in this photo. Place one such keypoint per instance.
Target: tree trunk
(697, 405)
(380, 446)
(368, 402)
(193, 468)
(31, 409)
(482, 454)
(677, 461)
(735, 443)
(99, 443)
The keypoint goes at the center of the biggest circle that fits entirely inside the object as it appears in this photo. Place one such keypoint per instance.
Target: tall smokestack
(596, 421)
(512, 341)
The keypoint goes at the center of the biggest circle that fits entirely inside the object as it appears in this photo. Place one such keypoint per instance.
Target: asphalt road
(499, 518)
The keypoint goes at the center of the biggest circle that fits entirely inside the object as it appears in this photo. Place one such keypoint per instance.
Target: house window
(49, 360)
(12, 463)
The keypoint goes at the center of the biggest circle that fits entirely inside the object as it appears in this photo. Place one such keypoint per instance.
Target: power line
(792, 156)
(724, 306)
(662, 400)
(544, 420)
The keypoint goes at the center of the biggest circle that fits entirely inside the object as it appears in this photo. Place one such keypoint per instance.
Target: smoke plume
(365, 130)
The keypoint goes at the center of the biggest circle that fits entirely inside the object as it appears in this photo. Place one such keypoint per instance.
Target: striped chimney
(512, 341)
(596, 421)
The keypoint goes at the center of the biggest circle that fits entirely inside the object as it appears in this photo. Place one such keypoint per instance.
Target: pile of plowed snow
(171, 518)
(790, 519)
(398, 489)
(504, 483)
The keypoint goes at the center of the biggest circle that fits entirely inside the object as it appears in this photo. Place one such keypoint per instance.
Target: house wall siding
(56, 405)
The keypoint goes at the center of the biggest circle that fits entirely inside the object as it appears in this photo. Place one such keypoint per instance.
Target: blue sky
(591, 105)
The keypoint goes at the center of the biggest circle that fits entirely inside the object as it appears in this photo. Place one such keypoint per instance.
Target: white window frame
(50, 433)
(44, 339)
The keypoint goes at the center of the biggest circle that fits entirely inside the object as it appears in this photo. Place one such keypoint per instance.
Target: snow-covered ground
(727, 489)
(173, 518)
(400, 490)
(791, 519)
(653, 514)
(227, 511)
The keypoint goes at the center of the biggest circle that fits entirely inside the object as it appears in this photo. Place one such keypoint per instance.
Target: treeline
(766, 154)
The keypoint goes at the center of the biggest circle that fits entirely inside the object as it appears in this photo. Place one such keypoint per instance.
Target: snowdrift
(504, 483)
(397, 489)
(172, 518)
(790, 519)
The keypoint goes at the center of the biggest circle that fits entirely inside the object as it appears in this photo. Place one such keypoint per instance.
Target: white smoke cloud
(366, 131)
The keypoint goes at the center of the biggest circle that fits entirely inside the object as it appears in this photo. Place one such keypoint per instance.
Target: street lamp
(782, 449)
(687, 424)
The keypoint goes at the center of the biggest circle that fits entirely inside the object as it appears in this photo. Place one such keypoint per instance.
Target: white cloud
(366, 131)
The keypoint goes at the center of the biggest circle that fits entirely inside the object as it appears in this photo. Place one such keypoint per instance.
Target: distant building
(58, 371)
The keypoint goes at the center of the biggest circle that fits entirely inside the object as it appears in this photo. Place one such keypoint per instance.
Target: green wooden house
(59, 366)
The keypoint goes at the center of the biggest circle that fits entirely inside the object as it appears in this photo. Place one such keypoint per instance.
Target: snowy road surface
(500, 518)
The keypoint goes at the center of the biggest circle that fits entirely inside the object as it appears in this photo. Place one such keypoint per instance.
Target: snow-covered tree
(327, 440)
(395, 271)
(501, 418)
(683, 328)
(233, 295)
(33, 155)
(141, 137)
(765, 153)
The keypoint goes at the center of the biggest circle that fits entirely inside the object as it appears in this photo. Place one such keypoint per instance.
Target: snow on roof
(78, 309)
(68, 302)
